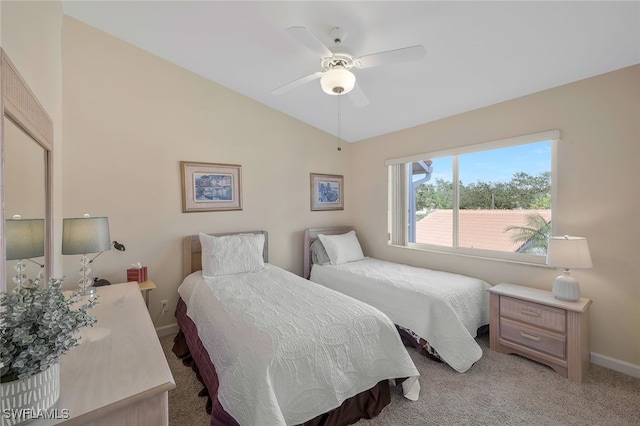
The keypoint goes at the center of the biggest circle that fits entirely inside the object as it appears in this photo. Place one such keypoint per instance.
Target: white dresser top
(119, 361)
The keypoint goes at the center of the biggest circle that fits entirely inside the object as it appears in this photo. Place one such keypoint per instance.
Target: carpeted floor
(498, 390)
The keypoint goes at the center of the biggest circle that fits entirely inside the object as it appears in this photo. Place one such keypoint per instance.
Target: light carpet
(498, 390)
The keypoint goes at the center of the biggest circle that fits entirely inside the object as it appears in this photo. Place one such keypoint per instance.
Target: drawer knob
(530, 337)
(530, 313)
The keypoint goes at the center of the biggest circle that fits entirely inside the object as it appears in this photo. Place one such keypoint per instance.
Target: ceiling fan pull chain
(339, 123)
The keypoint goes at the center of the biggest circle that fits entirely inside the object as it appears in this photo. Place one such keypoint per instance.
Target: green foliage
(434, 196)
(523, 191)
(37, 326)
(541, 203)
(534, 236)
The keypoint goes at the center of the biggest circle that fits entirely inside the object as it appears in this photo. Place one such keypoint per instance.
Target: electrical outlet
(163, 305)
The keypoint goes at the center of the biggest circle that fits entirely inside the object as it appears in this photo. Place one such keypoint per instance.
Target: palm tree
(533, 237)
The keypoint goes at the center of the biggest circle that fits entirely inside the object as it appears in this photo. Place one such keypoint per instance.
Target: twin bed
(439, 313)
(273, 348)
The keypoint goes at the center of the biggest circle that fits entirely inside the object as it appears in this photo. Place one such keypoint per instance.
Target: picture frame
(327, 192)
(210, 187)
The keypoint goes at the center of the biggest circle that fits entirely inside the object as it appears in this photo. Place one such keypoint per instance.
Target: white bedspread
(443, 308)
(287, 350)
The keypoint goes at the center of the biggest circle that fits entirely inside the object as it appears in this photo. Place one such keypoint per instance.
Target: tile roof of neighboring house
(483, 229)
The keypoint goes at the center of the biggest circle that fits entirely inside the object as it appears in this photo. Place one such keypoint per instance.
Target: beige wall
(598, 179)
(31, 36)
(130, 118)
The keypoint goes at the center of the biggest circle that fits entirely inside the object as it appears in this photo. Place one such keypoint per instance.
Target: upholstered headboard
(192, 251)
(311, 234)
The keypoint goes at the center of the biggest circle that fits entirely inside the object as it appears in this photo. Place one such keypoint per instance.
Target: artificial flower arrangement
(37, 326)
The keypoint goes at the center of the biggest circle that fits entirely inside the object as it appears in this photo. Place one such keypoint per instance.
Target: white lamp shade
(337, 81)
(85, 235)
(568, 252)
(24, 238)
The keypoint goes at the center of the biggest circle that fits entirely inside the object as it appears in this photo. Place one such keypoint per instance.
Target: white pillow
(342, 248)
(231, 254)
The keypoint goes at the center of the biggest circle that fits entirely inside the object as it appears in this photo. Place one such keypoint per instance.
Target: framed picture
(210, 187)
(327, 192)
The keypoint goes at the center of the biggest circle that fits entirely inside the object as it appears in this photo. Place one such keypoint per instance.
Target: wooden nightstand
(533, 323)
(145, 286)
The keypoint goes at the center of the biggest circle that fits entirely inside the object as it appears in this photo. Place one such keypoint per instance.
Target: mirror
(25, 189)
(26, 140)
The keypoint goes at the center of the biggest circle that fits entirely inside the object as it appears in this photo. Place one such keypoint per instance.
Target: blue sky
(497, 165)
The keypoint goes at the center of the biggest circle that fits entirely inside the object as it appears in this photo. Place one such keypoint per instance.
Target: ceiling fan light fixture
(337, 81)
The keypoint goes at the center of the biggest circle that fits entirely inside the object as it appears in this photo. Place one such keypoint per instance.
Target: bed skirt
(411, 339)
(188, 347)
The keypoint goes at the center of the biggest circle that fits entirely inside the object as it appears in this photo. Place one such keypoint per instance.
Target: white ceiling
(478, 53)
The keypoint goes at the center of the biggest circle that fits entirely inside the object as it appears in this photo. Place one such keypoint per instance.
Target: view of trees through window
(522, 192)
(503, 200)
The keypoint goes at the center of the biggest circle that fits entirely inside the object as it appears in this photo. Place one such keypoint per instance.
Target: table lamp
(83, 236)
(568, 252)
(24, 240)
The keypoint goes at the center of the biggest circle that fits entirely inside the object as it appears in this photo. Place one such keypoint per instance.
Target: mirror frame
(20, 105)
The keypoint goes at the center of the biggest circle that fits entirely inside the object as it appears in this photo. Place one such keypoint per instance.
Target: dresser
(533, 323)
(118, 375)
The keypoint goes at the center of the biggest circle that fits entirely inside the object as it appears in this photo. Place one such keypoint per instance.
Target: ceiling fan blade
(358, 97)
(310, 41)
(296, 83)
(407, 54)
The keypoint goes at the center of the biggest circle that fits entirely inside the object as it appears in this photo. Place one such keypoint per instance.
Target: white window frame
(398, 217)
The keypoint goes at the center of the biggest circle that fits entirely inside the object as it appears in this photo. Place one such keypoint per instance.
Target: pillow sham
(342, 248)
(319, 255)
(231, 254)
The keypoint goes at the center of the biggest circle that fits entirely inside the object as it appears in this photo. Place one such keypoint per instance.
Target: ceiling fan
(337, 62)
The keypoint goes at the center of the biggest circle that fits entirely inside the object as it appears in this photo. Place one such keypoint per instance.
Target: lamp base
(86, 283)
(566, 288)
(89, 291)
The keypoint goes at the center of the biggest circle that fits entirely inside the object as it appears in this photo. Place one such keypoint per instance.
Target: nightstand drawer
(536, 339)
(534, 314)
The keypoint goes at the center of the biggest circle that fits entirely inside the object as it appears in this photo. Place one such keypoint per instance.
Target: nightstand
(534, 324)
(145, 287)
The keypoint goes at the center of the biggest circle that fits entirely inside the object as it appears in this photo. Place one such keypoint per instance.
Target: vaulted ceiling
(478, 53)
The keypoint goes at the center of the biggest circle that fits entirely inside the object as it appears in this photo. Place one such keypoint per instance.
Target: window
(493, 199)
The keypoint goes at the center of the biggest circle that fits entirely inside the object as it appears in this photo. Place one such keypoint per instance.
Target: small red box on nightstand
(135, 274)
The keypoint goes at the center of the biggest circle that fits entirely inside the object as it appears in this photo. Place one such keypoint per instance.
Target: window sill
(483, 256)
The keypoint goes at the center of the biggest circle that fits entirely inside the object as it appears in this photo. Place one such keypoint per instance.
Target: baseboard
(166, 330)
(616, 365)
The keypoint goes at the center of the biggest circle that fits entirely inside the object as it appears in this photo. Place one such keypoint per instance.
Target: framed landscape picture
(210, 187)
(327, 192)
